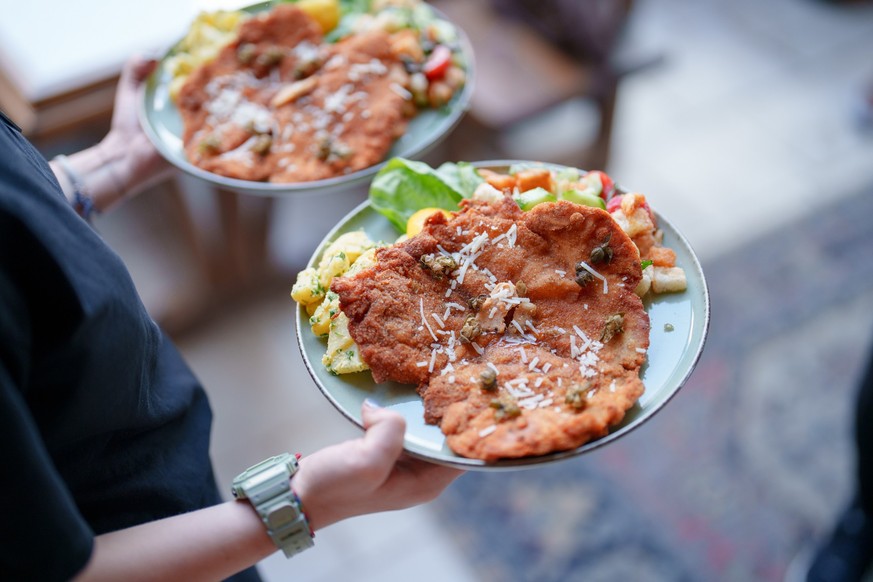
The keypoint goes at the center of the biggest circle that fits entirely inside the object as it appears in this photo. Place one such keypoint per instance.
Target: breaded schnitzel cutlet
(279, 105)
(521, 330)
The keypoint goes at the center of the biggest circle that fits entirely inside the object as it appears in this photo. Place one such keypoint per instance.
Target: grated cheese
(487, 430)
(424, 319)
(588, 268)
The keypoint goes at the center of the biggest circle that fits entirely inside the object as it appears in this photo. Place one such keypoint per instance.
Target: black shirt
(102, 425)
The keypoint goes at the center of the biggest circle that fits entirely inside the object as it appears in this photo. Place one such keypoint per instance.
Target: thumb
(385, 429)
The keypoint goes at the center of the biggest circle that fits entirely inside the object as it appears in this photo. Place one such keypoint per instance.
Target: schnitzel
(278, 104)
(520, 330)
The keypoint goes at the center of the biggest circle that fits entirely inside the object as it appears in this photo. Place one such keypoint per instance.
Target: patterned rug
(750, 460)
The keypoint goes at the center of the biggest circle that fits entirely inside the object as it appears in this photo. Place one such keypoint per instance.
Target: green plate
(672, 355)
(163, 125)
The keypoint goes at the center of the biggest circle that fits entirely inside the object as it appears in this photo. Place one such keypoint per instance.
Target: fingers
(139, 67)
(135, 71)
(385, 430)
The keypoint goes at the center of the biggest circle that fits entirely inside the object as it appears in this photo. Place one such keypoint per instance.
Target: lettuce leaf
(404, 186)
(462, 176)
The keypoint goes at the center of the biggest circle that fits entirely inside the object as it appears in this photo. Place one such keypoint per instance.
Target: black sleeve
(44, 532)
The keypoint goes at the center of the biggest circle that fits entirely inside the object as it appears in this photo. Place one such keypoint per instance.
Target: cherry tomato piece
(608, 190)
(437, 62)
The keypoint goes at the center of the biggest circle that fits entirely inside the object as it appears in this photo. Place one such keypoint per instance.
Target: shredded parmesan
(424, 319)
(588, 268)
(487, 430)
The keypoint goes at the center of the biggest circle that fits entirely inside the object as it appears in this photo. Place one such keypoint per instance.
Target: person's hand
(137, 163)
(368, 474)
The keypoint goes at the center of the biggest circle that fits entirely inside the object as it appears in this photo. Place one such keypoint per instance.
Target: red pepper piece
(437, 62)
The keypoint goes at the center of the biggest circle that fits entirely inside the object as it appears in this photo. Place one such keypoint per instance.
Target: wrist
(89, 179)
(267, 486)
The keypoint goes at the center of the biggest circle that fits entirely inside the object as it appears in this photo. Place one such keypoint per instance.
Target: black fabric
(864, 439)
(102, 424)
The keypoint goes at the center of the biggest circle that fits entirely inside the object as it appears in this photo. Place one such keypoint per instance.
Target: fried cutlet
(521, 330)
(279, 105)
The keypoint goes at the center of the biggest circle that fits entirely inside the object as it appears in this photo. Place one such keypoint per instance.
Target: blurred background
(746, 123)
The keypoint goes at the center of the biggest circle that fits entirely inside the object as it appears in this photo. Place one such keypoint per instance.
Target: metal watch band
(267, 486)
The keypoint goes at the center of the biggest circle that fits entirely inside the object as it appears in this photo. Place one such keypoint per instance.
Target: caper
(209, 145)
(270, 57)
(305, 67)
(488, 379)
(575, 396)
(603, 252)
(471, 329)
(477, 301)
(521, 289)
(245, 53)
(614, 325)
(505, 407)
(323, 148)
(262, 144)
(583, 275)
(439, 265)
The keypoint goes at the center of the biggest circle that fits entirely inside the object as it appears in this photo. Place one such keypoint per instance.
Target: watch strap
(267, 486)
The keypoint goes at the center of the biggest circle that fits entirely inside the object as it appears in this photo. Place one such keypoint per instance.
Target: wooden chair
(523, 69)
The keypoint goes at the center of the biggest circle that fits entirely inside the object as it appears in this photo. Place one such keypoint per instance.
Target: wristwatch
(267, 486)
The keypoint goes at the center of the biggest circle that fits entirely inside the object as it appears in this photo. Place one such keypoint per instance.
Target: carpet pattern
(749, 461)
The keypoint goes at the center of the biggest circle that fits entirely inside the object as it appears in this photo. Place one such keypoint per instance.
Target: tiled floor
(747, 123)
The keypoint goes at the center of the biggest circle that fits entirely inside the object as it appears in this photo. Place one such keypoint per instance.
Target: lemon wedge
(416, 221)
(325, 12)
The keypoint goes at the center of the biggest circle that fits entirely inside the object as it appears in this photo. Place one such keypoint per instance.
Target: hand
(367, 475)
(137, 163)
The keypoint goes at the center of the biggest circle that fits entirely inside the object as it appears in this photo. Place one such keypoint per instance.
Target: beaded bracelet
(82, 202)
